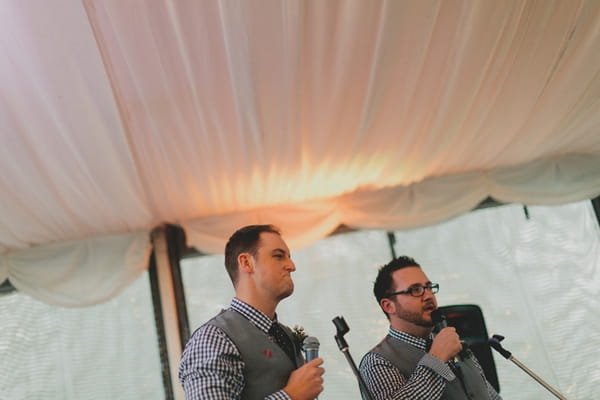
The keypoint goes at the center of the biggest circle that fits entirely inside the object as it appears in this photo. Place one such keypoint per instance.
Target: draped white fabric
(117, 116)
(79, 273)
(400, 207)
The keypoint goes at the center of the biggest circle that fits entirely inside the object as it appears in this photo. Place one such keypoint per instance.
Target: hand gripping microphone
(310, 345)
(311, 348)
(439, 322)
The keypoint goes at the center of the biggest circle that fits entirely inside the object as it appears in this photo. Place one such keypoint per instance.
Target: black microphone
(439, 322)
(311, 348)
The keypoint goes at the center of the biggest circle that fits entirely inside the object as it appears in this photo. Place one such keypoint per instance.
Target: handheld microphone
(310, 345)
(439, 322)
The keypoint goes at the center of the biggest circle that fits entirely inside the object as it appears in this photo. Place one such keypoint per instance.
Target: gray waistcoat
(267, 367)
(406, 357)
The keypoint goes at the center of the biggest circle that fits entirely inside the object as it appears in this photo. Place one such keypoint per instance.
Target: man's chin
(286, 293)
(425, 324)
(426, 321)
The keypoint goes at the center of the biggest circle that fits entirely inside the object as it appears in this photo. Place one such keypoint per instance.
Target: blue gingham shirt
(428, 380)
(211, 366)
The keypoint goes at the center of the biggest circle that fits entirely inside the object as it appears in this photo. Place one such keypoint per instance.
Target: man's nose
(428, 294)
(291, 265)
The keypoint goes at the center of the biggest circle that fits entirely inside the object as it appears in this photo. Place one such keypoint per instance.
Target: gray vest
(267, 367)
(406, 357)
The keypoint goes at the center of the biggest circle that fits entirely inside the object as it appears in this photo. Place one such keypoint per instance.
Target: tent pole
(596, 207)
(176, 242)
(160, 328)
(165, 303)
(392, 241)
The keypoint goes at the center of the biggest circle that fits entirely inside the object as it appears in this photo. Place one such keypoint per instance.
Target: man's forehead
(272, 241)
(409, 276)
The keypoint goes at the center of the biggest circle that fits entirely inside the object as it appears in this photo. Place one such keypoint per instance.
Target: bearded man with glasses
(410, 362)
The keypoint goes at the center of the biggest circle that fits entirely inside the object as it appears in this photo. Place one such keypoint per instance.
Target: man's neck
(265, 306)
(412, 329)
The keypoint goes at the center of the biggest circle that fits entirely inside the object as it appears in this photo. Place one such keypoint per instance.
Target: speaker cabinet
(470, 326)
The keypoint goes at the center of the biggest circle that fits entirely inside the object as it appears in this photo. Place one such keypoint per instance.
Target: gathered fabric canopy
(117, 117)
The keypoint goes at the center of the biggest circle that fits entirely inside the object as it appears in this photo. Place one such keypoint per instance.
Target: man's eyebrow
(418, 284)
(278, 250)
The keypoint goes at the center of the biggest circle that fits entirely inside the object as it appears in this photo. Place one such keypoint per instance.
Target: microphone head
(310, 343)
(439, 320)
(311, 348)
(341, 326)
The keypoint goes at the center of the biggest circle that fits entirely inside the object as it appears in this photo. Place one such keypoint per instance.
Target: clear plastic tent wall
(106, 351)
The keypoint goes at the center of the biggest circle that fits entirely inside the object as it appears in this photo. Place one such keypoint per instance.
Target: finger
(316, 362)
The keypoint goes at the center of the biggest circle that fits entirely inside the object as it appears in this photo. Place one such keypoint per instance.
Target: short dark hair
(383, 283)
(244, 240)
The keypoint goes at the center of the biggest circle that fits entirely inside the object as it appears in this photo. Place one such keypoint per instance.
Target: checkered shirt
(428, 380)
(211, 366)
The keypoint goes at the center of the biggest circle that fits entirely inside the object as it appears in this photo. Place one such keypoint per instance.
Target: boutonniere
(299, 336)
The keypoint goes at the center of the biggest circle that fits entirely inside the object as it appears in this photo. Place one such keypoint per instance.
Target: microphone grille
(310, 343)
(437, 317)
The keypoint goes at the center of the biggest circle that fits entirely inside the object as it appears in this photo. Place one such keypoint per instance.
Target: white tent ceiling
(117, 116)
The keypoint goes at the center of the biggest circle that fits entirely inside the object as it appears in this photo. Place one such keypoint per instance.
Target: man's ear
(387, 305)
(245, 262)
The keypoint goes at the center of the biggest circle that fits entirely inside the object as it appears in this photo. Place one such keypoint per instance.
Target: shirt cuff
(438, 366)
(280, 395)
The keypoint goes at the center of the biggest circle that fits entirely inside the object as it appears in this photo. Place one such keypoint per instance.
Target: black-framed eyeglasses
(418, 291)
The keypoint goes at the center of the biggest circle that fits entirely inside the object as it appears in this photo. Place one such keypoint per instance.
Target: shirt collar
(418, 342)
(252, 314)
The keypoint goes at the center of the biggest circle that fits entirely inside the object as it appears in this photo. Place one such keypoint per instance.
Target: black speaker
(470, 326)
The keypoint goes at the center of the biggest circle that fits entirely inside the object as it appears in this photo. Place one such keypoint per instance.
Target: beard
(414, 317)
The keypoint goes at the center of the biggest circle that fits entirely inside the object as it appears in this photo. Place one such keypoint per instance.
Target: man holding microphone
(410, 362)
(244, 353)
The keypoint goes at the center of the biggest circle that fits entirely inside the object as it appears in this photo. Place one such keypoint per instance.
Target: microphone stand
(342, 328)
(494, 342)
